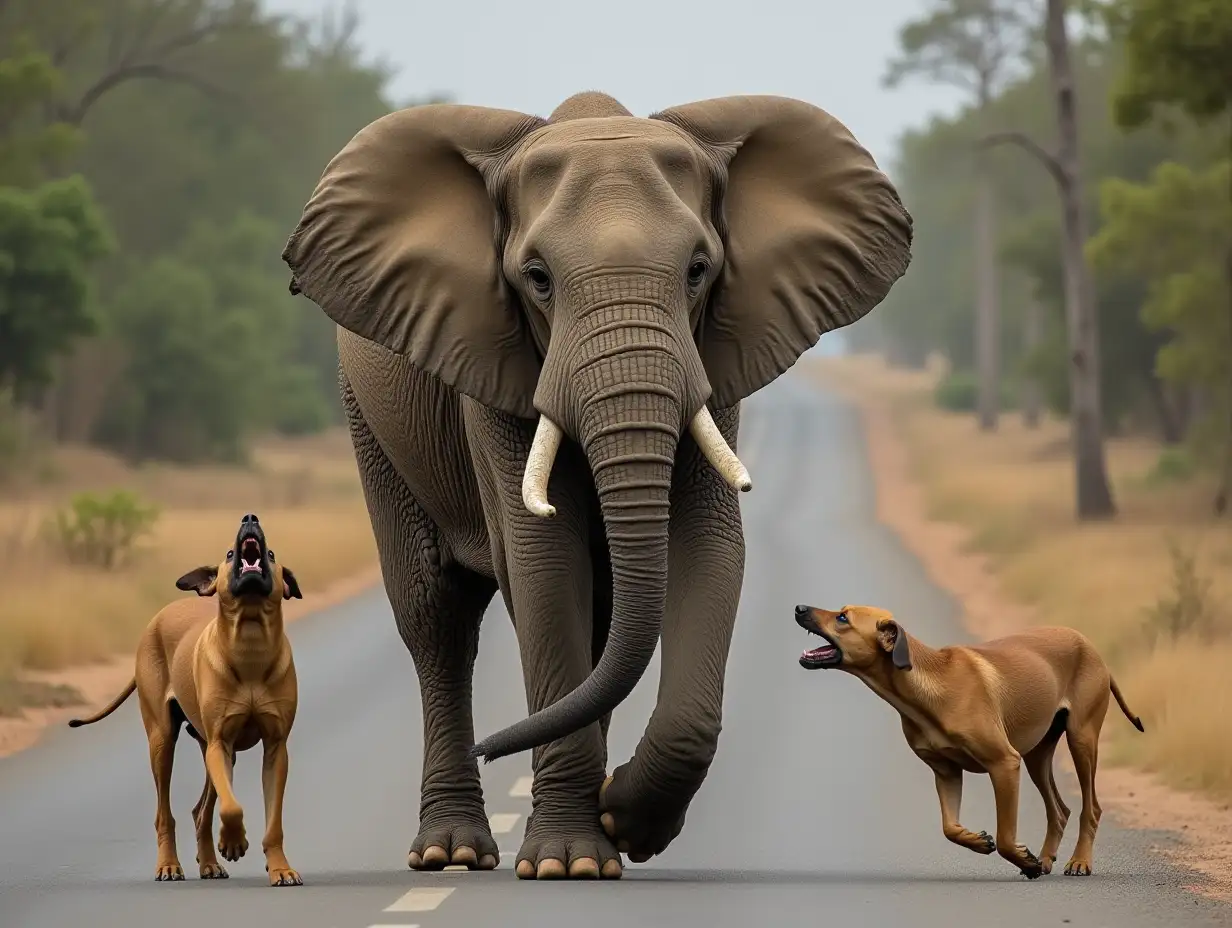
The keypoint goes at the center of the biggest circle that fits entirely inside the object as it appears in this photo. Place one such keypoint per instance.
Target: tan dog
(991, 708)
(228, 673)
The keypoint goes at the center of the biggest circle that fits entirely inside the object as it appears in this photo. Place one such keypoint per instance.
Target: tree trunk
(1225, 476)
(1032, 394)
(1094, 495)
(987, 304)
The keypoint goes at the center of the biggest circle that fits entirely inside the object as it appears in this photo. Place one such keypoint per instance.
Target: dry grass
(1116, 582)
(54, 615)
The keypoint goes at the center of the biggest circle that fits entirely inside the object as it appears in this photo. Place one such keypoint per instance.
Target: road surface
(814, 813)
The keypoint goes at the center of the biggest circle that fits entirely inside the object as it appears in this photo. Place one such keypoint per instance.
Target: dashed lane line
(521, 787)
(502, 822)
(422, 899)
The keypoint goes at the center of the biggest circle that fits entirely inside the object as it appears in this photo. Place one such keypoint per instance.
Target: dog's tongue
(816, 654)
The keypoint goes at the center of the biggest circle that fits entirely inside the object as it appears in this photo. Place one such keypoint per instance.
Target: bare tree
(1032, 335)
(973, 45)
(1094, 494)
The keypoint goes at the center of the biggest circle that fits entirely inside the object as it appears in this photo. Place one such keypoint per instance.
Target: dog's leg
(1005, 774)
(203, 818)
(1039, 766)
(232, 842)
(1084, 748)
(437, 606)
(273, 785)
(161, 730)
(949, 792)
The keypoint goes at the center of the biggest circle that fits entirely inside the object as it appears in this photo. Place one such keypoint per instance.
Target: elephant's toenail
(525, 870)
(550, 870)
(464, 855)
(584, 868)
(487, 862)
(612, 870)
(603, 790)
(608, 821)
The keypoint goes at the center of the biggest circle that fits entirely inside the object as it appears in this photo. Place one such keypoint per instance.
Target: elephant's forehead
(604, 143)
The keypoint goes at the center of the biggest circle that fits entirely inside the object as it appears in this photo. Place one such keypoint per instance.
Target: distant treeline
(1154, 81)
(154, 155)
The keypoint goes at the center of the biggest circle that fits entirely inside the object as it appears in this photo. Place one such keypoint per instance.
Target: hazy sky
(530, 55)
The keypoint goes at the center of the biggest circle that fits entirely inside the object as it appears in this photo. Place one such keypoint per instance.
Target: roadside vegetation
(1152, 589)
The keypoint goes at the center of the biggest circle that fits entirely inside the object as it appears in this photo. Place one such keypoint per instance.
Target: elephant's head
(607, 275)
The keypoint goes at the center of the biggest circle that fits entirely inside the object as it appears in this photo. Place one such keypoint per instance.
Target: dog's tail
(115, 704)
(1116, 692)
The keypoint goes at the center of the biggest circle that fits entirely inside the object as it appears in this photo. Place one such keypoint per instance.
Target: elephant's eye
(697, 274)
(540, 282)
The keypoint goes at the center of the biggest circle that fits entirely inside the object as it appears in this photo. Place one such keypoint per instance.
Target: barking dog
(992, 708)
(227, 672)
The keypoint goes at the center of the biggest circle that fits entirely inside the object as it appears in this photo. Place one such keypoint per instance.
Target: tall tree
(1093, 497)
(973, 45)
(1179, 54)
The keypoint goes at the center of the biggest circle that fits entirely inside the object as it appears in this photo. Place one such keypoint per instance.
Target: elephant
(545, 329)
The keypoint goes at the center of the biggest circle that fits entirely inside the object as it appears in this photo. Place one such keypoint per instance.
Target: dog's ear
(203, 581)
(290, 587)
(894, 640)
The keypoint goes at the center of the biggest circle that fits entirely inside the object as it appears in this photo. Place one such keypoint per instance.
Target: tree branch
(1030, 146)
(150, 71)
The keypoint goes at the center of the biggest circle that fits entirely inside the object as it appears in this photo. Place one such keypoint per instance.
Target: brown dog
(228, 673)
(990, 708)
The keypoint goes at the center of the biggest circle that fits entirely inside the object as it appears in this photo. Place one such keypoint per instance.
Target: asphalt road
(815, 811)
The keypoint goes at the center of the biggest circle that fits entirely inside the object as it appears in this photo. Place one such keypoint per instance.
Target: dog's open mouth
(825, 656)
(250, 557)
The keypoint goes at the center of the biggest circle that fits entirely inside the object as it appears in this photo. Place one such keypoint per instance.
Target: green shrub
(1175, 465)
(102, 530)
(960, 390)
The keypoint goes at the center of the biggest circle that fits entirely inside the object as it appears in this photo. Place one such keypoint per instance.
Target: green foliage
(1176, 230)
(1174, 465)
(50, 237)
(958, 391)
(202, 127)
(1178, 52)
(102, 531)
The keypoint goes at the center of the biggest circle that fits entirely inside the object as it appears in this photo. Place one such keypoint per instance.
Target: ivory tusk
(539, 467)
(712, 444)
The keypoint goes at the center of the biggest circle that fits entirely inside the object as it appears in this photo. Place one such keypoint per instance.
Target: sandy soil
(99, 683)
(1135, 799)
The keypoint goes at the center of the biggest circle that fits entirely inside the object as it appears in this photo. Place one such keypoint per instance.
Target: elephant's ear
(816, 234)
(397, 244)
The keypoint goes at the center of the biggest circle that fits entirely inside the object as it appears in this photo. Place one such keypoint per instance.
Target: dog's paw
(213, 871)
(1030, 865)
(984, 843)
(169, 873)
(284, 876)
(232, 842)
(1078, 867)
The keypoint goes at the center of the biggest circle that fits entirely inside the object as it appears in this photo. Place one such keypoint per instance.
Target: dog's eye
(230, 554)
(270, 553)
(841, 618)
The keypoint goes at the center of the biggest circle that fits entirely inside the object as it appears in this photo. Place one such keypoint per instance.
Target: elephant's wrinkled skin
(625, 282)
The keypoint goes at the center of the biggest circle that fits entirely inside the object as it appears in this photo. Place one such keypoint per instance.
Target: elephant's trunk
(628, 421)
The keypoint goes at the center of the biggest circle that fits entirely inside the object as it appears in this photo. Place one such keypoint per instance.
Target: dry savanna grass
(54, 614)
(1152, 588)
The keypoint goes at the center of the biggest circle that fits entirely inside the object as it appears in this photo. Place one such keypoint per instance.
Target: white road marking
(421, 900)
(521, 787)
(502, 822)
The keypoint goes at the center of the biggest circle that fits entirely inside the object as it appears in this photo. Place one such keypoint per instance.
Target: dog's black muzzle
(251, 571)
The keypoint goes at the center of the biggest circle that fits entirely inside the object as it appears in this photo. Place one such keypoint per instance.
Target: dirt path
(99, 683)
(1137, 799)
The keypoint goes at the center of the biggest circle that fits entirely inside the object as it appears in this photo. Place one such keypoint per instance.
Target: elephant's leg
(438, 606)
(643, 804)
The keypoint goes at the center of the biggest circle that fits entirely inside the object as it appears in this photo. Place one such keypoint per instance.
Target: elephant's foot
(463, 842)
(642, 822)
(578, 852)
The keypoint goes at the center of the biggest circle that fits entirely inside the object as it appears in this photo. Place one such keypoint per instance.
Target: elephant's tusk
(539, 468)
(717, 451)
